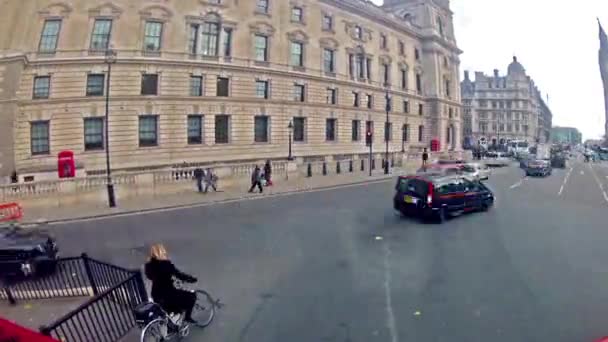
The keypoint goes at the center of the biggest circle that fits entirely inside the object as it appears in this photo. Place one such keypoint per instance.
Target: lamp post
(386, 132)
(110, 58)
(290, 128)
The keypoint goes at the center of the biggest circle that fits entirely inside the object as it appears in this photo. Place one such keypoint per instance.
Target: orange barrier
(10, 212)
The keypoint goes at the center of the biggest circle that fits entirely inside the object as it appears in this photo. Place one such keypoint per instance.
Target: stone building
(497, 109)
(219, 81)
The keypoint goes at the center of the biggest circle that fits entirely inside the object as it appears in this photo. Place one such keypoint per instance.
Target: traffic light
(388, 103)
(368, 137)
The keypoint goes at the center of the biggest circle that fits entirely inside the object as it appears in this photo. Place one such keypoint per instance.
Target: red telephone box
(66, 168)
(435, 145)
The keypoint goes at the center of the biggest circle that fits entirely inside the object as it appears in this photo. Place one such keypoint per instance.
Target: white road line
(390, 314)
(517, 184)
(599, 184)
(561, 188)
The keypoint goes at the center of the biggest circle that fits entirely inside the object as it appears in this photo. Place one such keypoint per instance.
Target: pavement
(339, 265)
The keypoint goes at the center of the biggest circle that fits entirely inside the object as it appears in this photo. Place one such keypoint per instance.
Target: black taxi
(440, 196)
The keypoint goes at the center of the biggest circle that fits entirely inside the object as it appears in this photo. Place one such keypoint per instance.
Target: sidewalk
(143, 204)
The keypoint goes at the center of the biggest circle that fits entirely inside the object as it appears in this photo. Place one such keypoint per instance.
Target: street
(340, 265)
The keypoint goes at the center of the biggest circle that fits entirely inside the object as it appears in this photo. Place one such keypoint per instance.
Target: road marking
(600, 185)
(517, 184)
(582, 173)
(561, 188)
(392, 326)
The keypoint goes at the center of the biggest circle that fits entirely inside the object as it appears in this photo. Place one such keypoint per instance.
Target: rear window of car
(413, 185)
(469, 168)
(449, 187)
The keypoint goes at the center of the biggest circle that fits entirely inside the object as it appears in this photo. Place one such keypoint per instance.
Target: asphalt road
(339, 265)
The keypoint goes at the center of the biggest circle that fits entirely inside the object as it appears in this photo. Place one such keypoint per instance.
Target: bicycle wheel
(155, 331)
(204, 309)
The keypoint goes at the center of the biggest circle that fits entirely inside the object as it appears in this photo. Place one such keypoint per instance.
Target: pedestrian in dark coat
(210, 180)
(256, 179)
(199, 174)
(161, 271)
(425, 157)
(268, 173)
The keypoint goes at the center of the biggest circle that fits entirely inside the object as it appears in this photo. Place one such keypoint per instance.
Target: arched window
(440, 25)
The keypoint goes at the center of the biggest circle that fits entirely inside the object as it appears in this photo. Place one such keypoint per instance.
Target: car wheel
(441, 216)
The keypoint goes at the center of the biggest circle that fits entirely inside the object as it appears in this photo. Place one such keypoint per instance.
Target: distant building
(497, 109)
(566, 135)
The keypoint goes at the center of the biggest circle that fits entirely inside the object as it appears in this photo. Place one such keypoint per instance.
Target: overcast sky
(555, 40)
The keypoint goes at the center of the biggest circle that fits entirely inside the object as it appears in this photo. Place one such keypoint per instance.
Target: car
(26, 252)
(500, 160)
(538, 168)
(523, 163)
(437, 197)
(559, 161)
(476, 171)
(440, 169)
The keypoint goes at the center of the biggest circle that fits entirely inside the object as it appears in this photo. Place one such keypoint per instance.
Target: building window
(385, 73)
(49, 36)
(328, 23)
(509, 127)
(261, 89)
(299, 129)
(332, 97)
(406, 131)
(351, 65)
(388, 131)
(42, 87)
(261, 129)
(493, 104)
(39, 137)
(148, 130)
(296, 14)
(370, 101)
(261, 6)
(193, 39)
(417, 54)
(93, 134)
(369, 68)
(403, 79)
(419, 83)
(440, 26)
(328, 60)
(196, 85)
(355, 99)
(356, 134)
(195, 129)
(420, 109)
(261, 48)
(406, 106)
(297, 54)
(149, 84)
(210, 36)
(330, 129)
(420, 132)
(223, 86)
(100, 38)
(401, 48)
(361, 66)
(222, 129)
(227, 42)
(358, 32)
(299, 92)
(95, 84)
(369, 132)
(383, 41)
(152, 36)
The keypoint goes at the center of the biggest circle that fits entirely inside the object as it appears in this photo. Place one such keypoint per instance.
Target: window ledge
(210, 58)
(265, 14)
(301, 23)
(46, 53)
(261, 63)
(228, 59)
(148, 53)
(328, 30)
(330, 74)
(298, 68)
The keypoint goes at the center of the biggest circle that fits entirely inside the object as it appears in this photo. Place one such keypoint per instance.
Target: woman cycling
(161, 271)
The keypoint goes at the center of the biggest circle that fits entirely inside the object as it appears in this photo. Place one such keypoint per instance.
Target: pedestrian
(210, 180)
(268, 173)
(256, 179)
(425, 157)
(199, 174)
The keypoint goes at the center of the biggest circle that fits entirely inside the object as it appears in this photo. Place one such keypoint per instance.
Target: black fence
(106, 317)
(71, 277)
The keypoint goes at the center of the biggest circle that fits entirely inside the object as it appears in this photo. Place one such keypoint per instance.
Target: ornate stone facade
(497, 109)
(221, 80)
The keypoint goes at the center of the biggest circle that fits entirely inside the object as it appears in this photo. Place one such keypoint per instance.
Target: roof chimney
(514, 59)
(466, 75)
(495, 72)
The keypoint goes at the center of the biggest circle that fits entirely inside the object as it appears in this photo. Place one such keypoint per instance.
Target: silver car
(476, 171)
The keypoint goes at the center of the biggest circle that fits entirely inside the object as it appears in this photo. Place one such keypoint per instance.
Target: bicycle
(157, 325)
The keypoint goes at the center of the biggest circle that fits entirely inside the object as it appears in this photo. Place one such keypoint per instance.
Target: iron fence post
(44, 330)
(9, 295)
(87, 268)
(141, 287)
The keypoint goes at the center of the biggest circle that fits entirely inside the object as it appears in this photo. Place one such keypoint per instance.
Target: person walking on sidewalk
(268, 173)
(425, 157)
(210, 180)
(199, 174)
(256, 179)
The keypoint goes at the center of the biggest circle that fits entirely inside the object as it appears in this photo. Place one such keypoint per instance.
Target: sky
(555, 40)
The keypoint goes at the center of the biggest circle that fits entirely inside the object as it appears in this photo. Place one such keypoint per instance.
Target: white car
(501, 159)
(476, 171)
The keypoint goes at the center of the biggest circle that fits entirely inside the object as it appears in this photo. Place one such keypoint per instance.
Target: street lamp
(386, 132)
(110, 58)
(290, 128)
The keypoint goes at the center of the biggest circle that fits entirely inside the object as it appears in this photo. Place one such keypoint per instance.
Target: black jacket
(161, 273)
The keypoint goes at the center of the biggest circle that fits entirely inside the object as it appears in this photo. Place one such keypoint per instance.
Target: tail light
(429, 196)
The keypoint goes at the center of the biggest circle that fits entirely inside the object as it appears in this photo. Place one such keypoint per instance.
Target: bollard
(338, 171)
(309, 171)
(324, 168)
(362, 165)
(350, 166)
(393, 162)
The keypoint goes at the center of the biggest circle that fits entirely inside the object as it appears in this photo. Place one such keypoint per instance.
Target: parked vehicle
(500, 160)
(441, 169)
(437, 197)
(538, 168)
(476, 171)
(559, 161)
(26, 252)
